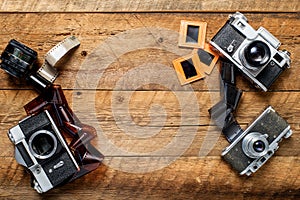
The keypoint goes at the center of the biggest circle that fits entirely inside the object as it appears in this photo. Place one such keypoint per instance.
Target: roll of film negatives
(223, 112)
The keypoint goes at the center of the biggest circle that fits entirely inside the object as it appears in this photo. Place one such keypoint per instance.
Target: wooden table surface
(157, 136)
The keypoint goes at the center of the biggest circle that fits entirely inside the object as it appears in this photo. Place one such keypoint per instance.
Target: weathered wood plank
(148, 6)
(137, 127)
(207, 141)
(157, 36)
(185, 178)
(88, 104)
(154, 109)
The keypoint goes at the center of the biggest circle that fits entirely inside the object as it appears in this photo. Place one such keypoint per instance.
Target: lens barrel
(255, 145)
(256, 55)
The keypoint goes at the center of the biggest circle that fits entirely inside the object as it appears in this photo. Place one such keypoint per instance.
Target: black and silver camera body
(255, 53)
(41, 148)
(257, 143)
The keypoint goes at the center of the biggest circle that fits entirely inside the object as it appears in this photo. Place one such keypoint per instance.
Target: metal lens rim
(248, 63)
(248, 142)
(30, 142)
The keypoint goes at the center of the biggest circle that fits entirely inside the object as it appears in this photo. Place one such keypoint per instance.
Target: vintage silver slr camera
(257, 143)
(40, 147)
(255, 53)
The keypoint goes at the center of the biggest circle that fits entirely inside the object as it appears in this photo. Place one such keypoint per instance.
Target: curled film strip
(47, 70)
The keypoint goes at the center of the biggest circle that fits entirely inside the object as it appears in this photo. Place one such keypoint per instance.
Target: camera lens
(259, 146)
(42, 144)
(255, 144)
(257, 54)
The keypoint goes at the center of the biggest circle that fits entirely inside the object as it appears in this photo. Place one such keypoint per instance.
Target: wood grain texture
(199, 130)
(95, 30)
(148, 6)
(186, 178)
(252, 104)
(124, 107)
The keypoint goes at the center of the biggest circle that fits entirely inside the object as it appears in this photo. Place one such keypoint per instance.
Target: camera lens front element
(42, 144)
(255, 145)
(259, 146)
(256, 54)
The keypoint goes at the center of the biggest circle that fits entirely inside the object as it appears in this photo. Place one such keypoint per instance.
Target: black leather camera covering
(269, 74)
(61, 175)
(227, 36)
(53, 100)
(34, 123)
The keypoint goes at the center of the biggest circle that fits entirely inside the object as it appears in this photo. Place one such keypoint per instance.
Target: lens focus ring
(255, 145)
(256, 55)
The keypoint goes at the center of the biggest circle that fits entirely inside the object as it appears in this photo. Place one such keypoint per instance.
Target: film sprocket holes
(222, 111)
(207, 58)
(188, 69)
(255, 53)
(230, 93)
(192, 34)
(41, 148)
(257, 143)
(19, 61)
(47, 71)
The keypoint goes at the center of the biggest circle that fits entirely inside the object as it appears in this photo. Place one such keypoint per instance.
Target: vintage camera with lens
(41, 148)
(257, 143)
(19, 61)
(255, 53)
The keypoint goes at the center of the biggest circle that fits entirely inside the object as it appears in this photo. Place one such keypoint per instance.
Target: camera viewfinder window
(192, 34)
(188, 68)
(278, 58)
